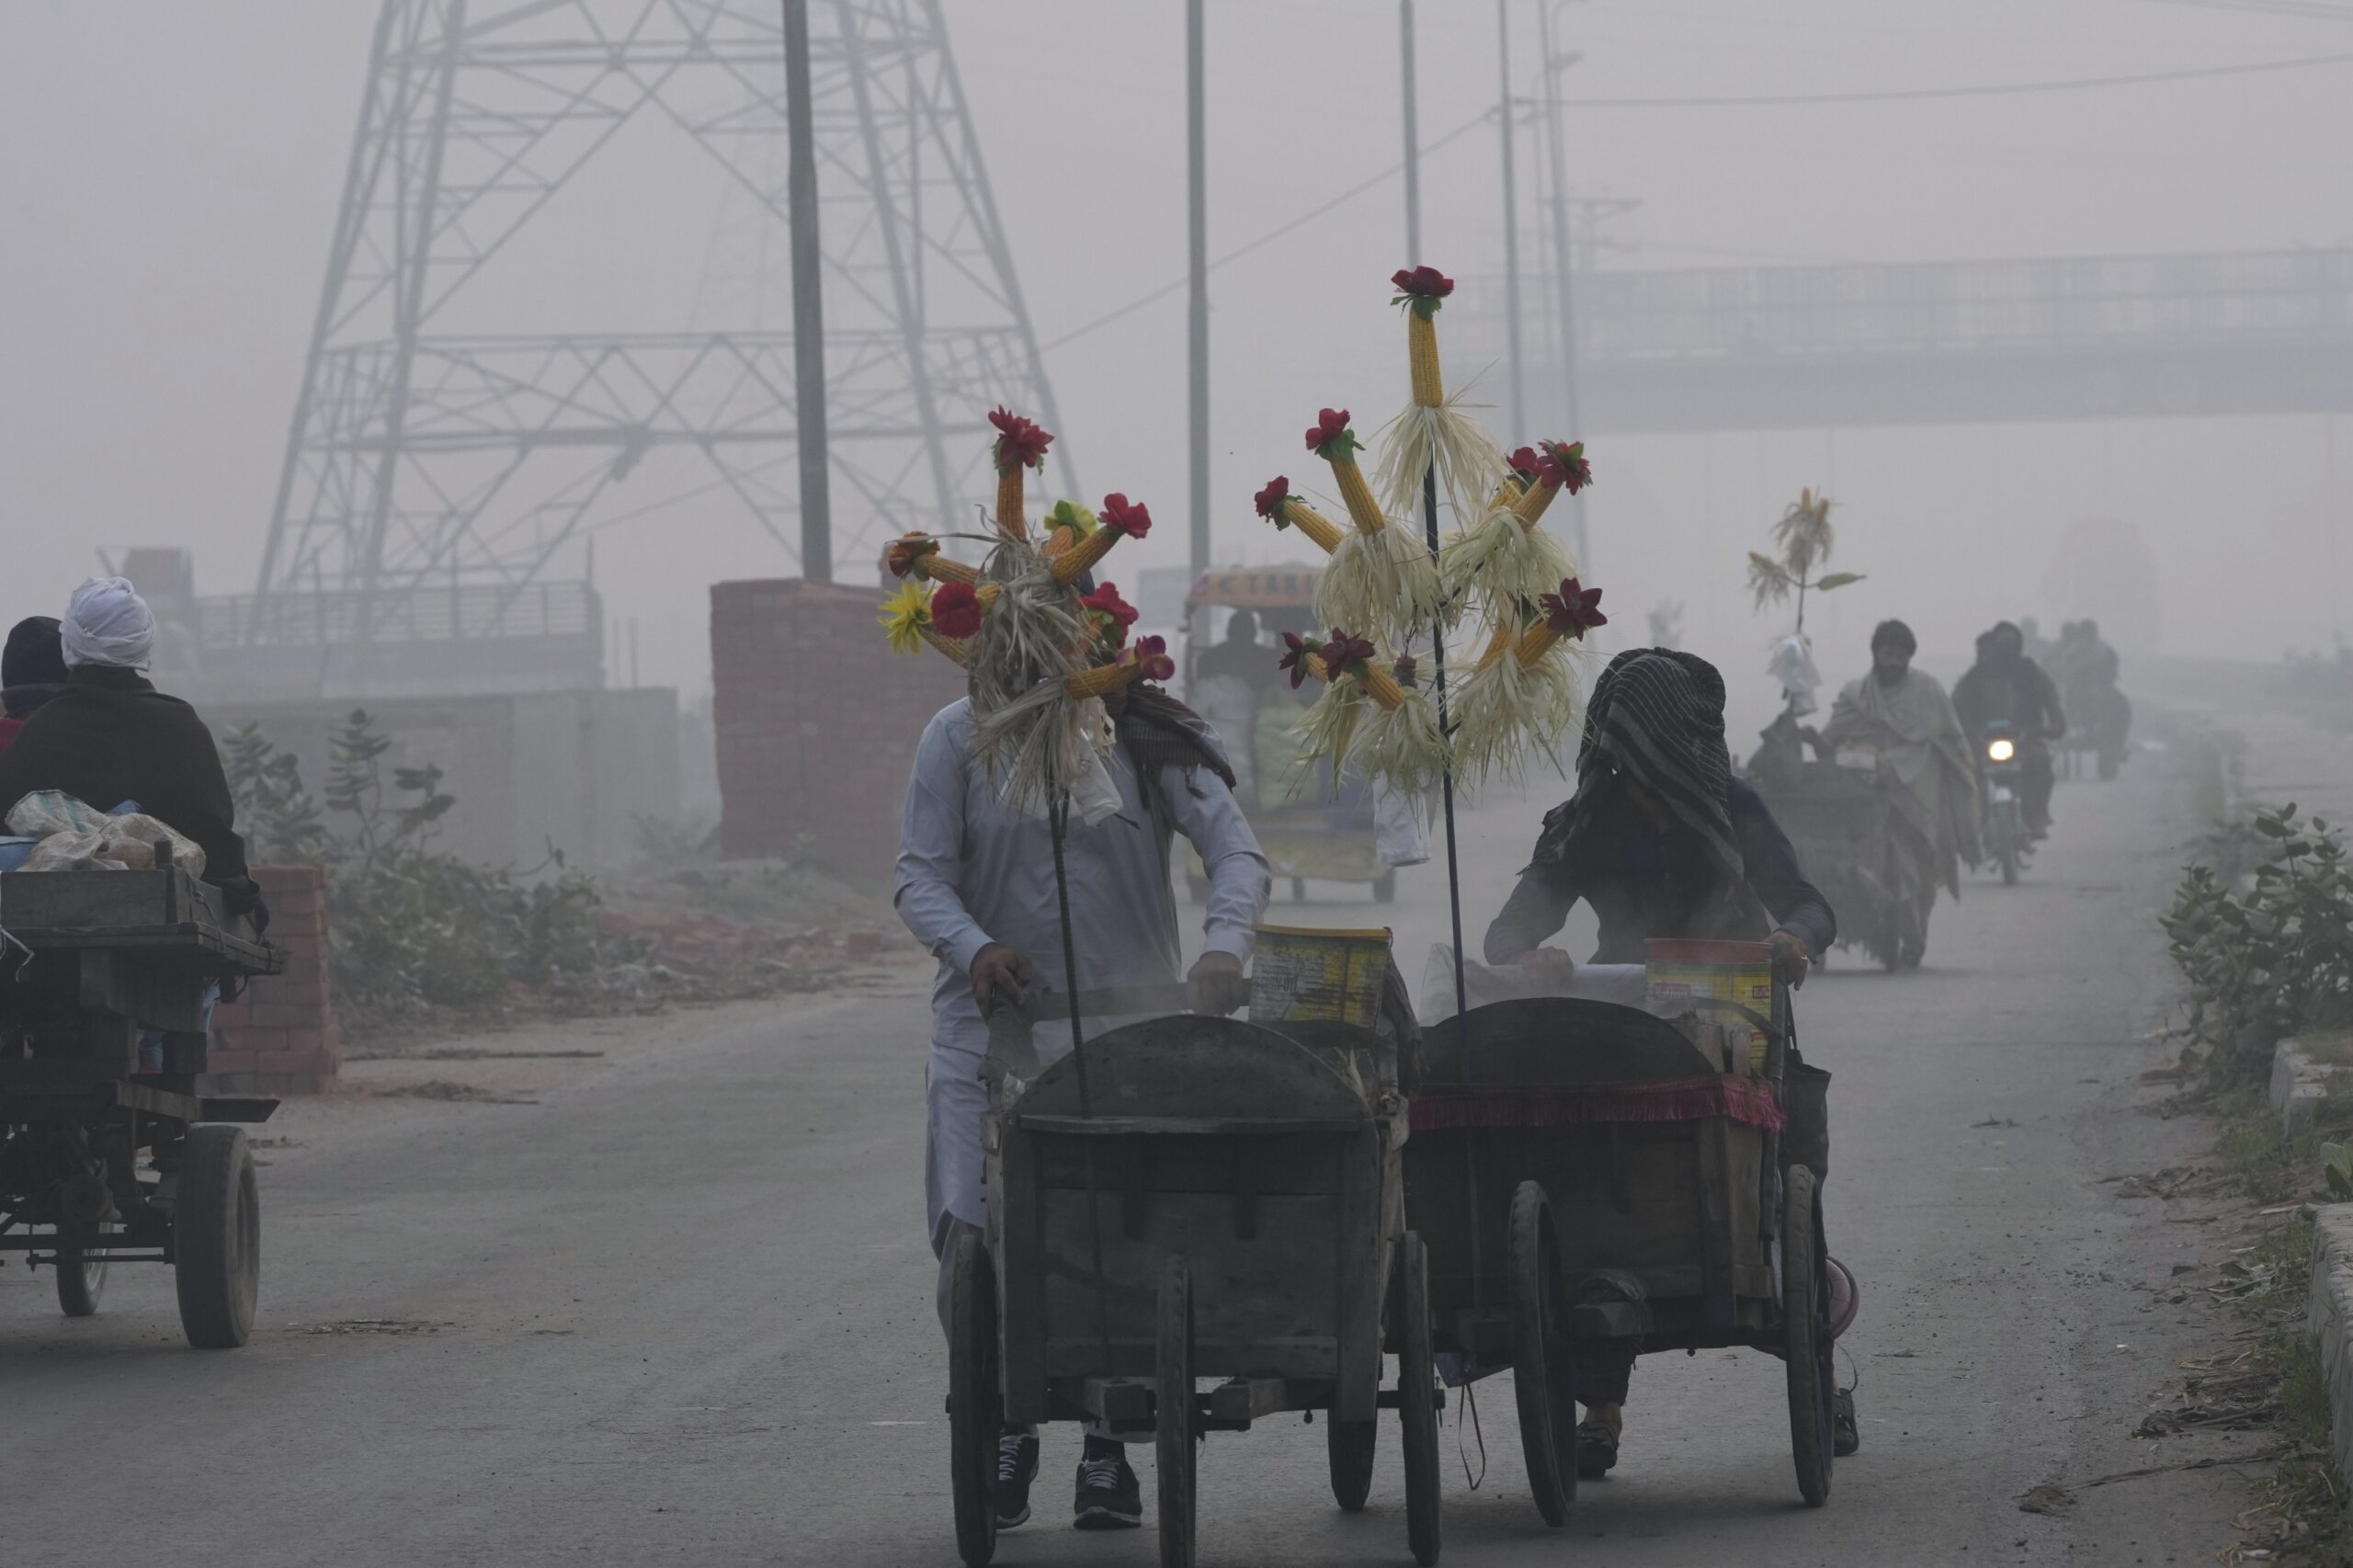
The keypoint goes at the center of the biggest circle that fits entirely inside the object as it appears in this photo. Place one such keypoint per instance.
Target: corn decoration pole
(1433, 434)
(1380, 577)
(1020, 445)
(1506, 556)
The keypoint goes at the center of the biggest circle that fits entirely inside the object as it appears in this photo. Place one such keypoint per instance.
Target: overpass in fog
(1945, 343)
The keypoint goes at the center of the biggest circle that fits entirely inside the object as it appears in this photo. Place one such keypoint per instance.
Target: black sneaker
(1845, 1433)
(1108, 1497)
(1017, 1467)
(1597, 1450)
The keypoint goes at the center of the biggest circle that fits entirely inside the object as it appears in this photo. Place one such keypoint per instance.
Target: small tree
(1804, 540)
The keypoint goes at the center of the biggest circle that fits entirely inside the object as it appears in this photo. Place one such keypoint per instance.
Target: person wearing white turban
(108, 623)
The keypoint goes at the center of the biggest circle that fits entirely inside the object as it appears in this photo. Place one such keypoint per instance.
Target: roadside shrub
(413, 927)
(2273, 956)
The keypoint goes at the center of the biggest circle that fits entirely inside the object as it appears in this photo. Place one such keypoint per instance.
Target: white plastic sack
(1401, 834)
(45, 812)
(75, 836)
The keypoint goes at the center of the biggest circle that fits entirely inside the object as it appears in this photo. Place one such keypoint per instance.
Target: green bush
(2275, 957)
(412, 927)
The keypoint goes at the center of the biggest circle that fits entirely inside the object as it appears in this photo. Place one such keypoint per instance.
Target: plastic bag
(1400, 837)
(45, 812)
(71, 852)
(118, 843)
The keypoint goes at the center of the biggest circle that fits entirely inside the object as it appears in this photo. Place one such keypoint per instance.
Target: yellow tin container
(1302, 973)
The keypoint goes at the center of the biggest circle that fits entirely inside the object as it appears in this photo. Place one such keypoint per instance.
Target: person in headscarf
(1662, 841)
(1904, 715)
(32, 670)
(109, 736)
(2006, 683)
(976, 885)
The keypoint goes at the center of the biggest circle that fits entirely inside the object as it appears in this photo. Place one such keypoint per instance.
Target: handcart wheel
(1173, 1416)
(1805, 1312)
(1351, 1445)
(216, 1238)
(976, 1402)
(1540, 1362)
(80, 1282)
(1416, 1398)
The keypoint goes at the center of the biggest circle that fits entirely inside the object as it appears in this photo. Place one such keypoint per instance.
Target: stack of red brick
(818, 722)
(280, 1038)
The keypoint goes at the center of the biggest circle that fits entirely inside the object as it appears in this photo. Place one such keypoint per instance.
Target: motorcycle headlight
(2000, 750)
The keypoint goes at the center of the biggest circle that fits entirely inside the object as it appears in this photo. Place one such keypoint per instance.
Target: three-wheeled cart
(89, 963)
(1591, 1177)
(1188, 1199)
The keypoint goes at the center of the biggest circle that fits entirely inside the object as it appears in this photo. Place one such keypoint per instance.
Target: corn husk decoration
(1433, 431)
(917, 554)
(1805, 539)
(1285, 510)
(1020, 445)
(1381, 576)
(1036, 738)
(1523, 695)
(1506, 557)
(1368, 717)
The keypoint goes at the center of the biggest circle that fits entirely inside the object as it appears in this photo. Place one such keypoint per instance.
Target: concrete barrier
(2299, 1086)
(2329, 1314)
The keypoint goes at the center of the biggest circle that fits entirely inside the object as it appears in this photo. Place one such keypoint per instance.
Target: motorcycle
(2002, 768)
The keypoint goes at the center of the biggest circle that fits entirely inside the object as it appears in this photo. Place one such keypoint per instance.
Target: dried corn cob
(1102, 680)
(1280, 507)
(957, 648)
(1121, 518)
(1421, 349)
(1363, 510)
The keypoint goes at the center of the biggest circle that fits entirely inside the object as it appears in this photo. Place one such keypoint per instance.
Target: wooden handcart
(89, 962)
(1587, 1175)
(1192, 1199)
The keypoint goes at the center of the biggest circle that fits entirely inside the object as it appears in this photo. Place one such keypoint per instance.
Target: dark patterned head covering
(1657, 718)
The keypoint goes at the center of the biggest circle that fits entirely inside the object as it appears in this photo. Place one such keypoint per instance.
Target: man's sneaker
(1597, 1450)
(1845, 1432)
(1108, 1497)
(1017, 1467)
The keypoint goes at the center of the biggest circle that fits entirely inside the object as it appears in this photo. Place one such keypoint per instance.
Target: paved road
(677, 1308)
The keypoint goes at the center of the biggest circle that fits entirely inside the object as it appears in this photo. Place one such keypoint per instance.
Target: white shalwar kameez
(972, 871)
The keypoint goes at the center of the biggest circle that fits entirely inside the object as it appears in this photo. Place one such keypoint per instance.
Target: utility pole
(1413, 138)
(808, 302)
(1565, 259)
(1198, 317)
(1516, 407)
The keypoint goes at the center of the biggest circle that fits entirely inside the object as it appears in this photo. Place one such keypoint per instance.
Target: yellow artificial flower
(905, 614)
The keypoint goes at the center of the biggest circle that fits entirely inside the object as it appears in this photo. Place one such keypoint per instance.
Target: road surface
(674, 1302)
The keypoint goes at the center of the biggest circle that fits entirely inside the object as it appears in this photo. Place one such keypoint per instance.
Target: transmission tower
(428, 464)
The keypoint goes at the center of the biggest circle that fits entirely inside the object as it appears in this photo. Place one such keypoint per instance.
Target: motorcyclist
(2006, 685)
(2102, 714)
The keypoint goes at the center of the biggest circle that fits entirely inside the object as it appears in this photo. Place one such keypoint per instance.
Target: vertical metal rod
(1058, 824)
(1446, 777)
(808, 302)
(1565, 260)
(1198, 316)
(1413, 137)
(1518, 408)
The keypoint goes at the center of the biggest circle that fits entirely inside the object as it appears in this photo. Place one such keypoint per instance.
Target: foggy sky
(171, 172)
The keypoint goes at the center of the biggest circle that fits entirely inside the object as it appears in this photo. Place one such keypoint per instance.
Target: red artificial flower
(1130, 519)
(1422, 283)
(1330, 436)
(1019, 442)
(1565, 464)
(1343, 653)
(1296, 660)
(1421, 290)
(1117, 615)
(1526, 464)
(1575, 610)
(956, 611)
(1271, 499)
(907, 550)
(1150, 654)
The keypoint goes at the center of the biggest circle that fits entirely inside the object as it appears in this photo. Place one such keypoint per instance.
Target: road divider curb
(2329, 1315)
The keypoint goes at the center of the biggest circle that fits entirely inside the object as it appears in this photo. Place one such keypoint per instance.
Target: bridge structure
(1949, 343)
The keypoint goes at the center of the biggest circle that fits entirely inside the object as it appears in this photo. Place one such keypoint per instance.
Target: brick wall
(817, 721)
(280, 1038)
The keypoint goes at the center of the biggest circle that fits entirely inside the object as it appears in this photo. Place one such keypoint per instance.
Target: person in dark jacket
(109, 736)
(2006, 684)
(1663, 841)
(32, 670)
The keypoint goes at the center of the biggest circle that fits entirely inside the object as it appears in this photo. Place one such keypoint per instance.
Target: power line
(1271, 236)
(2008, 89)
